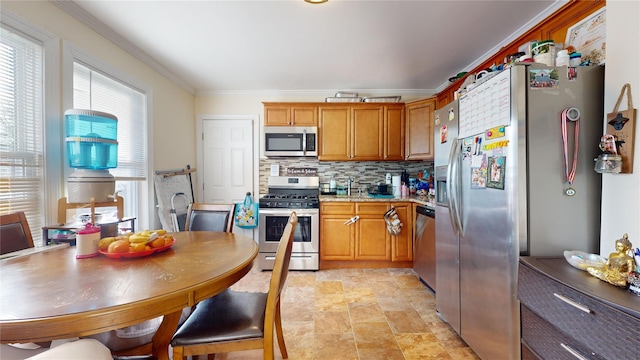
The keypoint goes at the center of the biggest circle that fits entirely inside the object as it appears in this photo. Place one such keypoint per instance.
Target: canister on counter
(563, 58)
(544, 52)
(87, 239)
(575, 59)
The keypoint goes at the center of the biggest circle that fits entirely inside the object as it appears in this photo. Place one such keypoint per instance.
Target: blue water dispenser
(92, 149)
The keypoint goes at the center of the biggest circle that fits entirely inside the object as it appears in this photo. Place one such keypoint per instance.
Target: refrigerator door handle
(452, 187)
(454, 180)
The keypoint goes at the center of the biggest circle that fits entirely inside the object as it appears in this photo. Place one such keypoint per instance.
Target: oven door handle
(285, 212)
(352, 220)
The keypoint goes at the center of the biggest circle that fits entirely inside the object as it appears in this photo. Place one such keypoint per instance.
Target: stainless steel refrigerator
(502, 191)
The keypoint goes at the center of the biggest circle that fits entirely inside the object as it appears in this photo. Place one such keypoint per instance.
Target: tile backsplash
(365, 172)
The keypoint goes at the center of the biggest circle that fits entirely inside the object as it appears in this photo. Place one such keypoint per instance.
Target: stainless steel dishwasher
(424, 259)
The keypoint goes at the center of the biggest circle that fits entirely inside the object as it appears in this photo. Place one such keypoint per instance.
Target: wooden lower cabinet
(342, 248)
(365, 242)
(402, 244)
(373, 241)
(339, 239)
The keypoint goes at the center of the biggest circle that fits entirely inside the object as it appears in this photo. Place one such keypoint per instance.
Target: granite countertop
(367, 198)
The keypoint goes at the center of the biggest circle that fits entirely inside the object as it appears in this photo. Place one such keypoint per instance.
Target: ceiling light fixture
(316, 1)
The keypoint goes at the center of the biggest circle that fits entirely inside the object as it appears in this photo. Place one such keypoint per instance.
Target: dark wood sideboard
(568, 314)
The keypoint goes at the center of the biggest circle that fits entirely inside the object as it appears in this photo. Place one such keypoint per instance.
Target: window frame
(59, 57)
(71, 54)
(51, 126)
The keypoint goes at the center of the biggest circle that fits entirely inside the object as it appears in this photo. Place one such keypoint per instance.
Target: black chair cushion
(228, 316)
(209, 220)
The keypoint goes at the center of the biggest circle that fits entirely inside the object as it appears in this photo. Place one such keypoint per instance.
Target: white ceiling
(387, 47)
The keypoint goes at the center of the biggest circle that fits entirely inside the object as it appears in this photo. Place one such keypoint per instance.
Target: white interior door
(228, 153)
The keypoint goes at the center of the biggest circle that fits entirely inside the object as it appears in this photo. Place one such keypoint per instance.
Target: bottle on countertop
(387, 179)
(562, 59)
(332, 184)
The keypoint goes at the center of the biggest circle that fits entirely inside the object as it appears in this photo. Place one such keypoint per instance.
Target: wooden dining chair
(14, 233)
(210, 217)
(234, 320)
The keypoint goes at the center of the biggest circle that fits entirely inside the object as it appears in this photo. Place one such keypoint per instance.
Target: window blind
(21, 124)
(94, 90)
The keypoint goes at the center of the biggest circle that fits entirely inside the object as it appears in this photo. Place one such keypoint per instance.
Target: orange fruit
(119, 246)
(167, 240)
(137, 247)
(157, 242)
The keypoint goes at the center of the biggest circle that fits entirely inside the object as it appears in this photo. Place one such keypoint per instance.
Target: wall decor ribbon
(573, 115)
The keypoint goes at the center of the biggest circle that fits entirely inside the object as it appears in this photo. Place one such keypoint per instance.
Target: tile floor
(358, 314)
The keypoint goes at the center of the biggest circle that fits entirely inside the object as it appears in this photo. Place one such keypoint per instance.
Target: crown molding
(27, 28)
(103, 30)
(319, 92)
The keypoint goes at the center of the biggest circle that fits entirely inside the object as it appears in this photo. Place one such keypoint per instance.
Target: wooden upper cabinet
(394, 132)
(363, 132)
(290, 114)
(443, 99)
(367, 133)
(419, 138)
(334, 132)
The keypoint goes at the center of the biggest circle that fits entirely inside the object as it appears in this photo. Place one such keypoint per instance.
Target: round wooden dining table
(52, 295)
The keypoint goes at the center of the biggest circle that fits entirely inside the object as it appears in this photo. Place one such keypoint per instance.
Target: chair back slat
(210, 217)
(15, 234)
(281, 265)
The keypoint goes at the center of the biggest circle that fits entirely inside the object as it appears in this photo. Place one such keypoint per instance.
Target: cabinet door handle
(352, 220)
(573, 303)
(573, 352)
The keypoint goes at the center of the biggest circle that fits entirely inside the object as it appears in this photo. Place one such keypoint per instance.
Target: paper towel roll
(395, 182)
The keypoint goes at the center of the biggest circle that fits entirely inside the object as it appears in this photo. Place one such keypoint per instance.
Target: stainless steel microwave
(290, 141)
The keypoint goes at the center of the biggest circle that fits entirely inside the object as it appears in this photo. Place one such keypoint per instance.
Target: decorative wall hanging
(621, 124)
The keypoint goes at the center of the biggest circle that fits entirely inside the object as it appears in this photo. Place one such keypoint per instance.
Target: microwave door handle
(304, 142)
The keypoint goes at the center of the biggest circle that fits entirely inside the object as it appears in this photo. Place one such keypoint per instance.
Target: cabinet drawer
(609, 332)
(337, 208)
(547, 341)
(527, 354)
(371, 208)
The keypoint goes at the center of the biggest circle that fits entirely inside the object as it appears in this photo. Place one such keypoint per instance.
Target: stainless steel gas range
(287, 194)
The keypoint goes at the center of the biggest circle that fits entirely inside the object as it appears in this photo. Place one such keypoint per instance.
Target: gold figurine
(617, 268)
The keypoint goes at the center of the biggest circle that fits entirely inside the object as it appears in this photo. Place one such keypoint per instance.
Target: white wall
(621, 192)
(172, 144)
